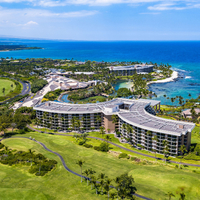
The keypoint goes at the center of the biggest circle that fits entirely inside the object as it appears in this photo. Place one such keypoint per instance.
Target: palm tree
(101, 183)
(155, 138)
(63, 122)
(102, 131)
(102, 176)
(117, 181)
(3, 90)
(107, 189)
(13, 125)
(182, 196)
(98, 119)
(166, 149)
(170, 194)
(50, 120)
(31, 152)
(86, 172)
(113, 195)
(91, 172)
(92, 181)
(80, 163)
(76, 136)
(96, 185)
(182, 149)
(107, 137)
(129, 129)
(124, 127)
(83, 120)
(73, 122)
(78, 124)
(114, 119)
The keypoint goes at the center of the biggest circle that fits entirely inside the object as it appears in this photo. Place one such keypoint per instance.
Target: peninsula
(16, 47)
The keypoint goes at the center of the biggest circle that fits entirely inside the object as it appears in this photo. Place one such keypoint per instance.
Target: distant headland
(16, 47)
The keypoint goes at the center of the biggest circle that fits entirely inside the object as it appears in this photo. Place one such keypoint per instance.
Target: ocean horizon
(184, 56)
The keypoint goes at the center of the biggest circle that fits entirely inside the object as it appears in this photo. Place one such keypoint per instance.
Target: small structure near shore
(188, 114)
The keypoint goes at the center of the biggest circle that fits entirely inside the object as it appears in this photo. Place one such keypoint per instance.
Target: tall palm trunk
(81, 174)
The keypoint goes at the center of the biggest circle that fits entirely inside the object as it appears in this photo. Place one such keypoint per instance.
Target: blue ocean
(184, 56)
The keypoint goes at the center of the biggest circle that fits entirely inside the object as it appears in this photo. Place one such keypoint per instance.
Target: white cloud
(28, 18)
(26, 25)
(7, 13)
(31, 23)
(175, 5)
(50, 3)
(164, 4)
(15, 1)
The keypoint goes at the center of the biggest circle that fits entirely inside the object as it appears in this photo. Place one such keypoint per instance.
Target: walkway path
(63, 162)
(126, 149)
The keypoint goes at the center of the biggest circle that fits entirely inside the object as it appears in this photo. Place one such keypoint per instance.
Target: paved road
(64, 164)
(132, 151)
(26, 88)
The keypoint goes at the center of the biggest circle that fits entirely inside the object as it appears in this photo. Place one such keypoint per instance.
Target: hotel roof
(130, 67)
(137, 114)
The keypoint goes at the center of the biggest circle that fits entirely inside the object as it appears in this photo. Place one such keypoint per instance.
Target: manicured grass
(153, 180)
(166, 117)
(128, 146)
(93, 99)
(195, 135)
(4, 83)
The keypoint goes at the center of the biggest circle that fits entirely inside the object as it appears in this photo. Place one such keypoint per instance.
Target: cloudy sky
(101, 19)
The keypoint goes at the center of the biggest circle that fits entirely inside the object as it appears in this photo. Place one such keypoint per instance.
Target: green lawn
(93, 99)
(153, 180)
(4, 83)
(195, 135)
(195, 139)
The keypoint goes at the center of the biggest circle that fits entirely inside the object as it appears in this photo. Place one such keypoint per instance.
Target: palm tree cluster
(121, 187)
(39, 164)
(96, 91)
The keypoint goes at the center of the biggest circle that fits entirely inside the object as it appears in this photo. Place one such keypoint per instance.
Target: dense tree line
(38, 85)
(18, 119)
(39, 164)
(97, 90)
(124, 92)
(53, 95)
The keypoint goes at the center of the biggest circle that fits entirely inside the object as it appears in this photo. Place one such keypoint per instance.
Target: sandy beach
(170, 79)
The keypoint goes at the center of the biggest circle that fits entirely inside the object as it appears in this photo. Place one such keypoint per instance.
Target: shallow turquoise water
(183, 56)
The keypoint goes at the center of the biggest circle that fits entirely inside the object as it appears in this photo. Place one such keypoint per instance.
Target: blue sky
(101, 19)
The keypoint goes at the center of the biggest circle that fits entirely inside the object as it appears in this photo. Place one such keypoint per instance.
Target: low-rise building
(187, 113)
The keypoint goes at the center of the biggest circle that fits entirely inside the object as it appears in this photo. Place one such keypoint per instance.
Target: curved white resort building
(139, 114)
(131, 69)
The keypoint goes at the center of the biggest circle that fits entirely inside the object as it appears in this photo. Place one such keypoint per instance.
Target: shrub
(81, 142)
(104, 147)
(133, 158)
(123, 155)
(118, 134)
(96, 148)
(22, 131)
(1, 145)
(88, 145)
